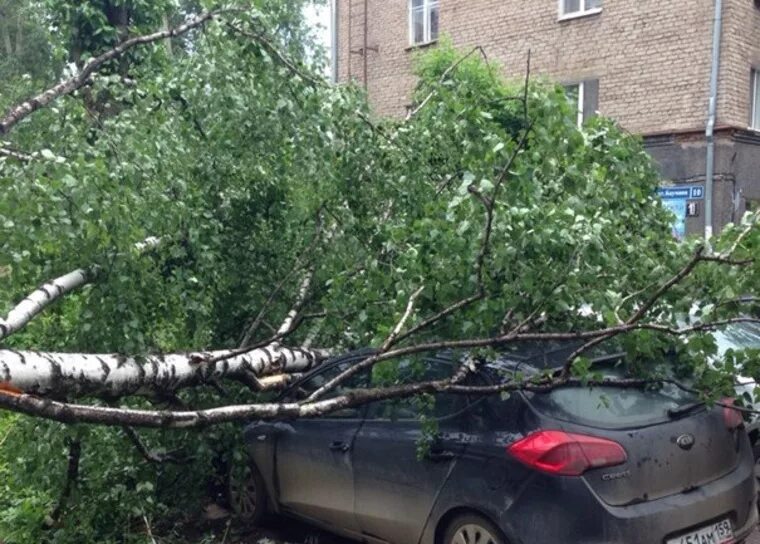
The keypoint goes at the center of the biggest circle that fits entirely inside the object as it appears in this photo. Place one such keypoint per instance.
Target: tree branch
(150, 455)
(444, 76)
(72, 475)
(109, 375)
(54, 290)
(261, 39)
(20, 111)
(372, 360)
(16, 155)
(76, 413)
(248, 336)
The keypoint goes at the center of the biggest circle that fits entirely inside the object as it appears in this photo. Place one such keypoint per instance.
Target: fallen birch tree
(30, 379)
(485, 220)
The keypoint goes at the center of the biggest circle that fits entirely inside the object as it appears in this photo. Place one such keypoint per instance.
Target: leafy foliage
(253, 171)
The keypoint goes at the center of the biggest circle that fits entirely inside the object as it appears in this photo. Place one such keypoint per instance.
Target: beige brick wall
(652, 57)
(741, 51)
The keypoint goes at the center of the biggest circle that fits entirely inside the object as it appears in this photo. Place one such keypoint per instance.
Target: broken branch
(68, 86)
(54, 290)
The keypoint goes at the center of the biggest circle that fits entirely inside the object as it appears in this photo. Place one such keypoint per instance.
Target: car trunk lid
(679, 456)
(674, 444)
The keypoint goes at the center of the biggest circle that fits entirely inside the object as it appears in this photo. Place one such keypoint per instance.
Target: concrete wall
(681, 160)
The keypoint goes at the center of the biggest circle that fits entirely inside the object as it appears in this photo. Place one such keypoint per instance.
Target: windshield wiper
(685, 409)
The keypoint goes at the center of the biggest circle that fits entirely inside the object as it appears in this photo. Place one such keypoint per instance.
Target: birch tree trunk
(19, 34)
(53, 290)
(6, 39)
(111, 375)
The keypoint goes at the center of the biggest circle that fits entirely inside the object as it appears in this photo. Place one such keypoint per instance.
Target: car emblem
(685, 441)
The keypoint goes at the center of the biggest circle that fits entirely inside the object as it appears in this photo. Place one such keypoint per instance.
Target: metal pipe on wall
(365, 44)
(334, 19)
(350, 31)
(711, 116)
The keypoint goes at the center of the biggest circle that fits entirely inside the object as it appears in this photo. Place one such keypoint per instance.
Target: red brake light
(567, 454)
(731, 416)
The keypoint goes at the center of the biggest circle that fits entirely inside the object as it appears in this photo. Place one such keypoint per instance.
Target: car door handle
(339, 446)
(440, 455)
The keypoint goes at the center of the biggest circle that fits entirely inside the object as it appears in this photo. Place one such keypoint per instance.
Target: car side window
(357, 381)
(412, 370)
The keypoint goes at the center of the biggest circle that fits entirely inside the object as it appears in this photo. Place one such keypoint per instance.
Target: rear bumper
(577, 515)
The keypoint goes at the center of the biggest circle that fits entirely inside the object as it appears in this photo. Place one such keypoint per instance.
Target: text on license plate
(717, 533)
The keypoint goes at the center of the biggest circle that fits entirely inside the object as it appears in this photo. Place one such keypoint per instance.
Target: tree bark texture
(110, 375)
(53, 290)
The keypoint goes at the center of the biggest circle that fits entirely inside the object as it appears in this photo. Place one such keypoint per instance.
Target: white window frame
(427, 10)
(754, 99)
(583, 12)
(581, 100)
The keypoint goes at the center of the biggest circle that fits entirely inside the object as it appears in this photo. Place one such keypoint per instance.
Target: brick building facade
(645, 63)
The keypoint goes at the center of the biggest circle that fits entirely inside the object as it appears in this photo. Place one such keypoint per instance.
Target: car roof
(528, 357)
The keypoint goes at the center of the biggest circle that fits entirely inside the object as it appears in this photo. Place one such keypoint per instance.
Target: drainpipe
(711, 114)
(334, 40)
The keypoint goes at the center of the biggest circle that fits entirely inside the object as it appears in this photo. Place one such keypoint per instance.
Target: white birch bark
(112, 375)
(16, 155)
(50, 292)
(43, 297)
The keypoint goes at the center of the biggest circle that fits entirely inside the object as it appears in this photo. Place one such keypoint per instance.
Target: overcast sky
(319, 18)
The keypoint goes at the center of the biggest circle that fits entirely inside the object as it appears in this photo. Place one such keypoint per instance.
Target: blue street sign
(674, 199)
(691, 192)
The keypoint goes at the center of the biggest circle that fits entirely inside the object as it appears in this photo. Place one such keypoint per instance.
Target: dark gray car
(576, 465)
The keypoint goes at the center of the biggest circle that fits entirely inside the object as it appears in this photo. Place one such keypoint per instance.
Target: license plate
(717, 533)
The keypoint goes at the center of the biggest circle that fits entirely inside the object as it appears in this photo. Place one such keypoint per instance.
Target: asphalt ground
(292, 532)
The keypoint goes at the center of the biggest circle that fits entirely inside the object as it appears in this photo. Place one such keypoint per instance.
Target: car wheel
(473, 529)
(246, 493)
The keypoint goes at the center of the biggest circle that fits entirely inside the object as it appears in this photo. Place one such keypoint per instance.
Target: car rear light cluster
(566, 454)
(731, 416)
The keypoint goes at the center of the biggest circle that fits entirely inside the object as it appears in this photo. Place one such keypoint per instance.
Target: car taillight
(566, 454)
(731, 416)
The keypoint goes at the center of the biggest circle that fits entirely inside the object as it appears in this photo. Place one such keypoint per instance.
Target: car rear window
(612, 407)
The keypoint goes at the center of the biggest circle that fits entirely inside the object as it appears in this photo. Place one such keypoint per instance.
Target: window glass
(579, 6)
(418, 25)
(423, 21)
(574, 93)
(433, 22)
(738, 336)
(612, 407)
(356, 381)
(412, 370)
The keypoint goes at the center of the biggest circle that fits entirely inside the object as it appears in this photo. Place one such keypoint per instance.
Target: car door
(396, 477)
(313, 457)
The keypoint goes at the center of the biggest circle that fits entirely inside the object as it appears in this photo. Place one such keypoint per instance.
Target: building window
(423, 21)
(584, 95)
(754, 122)
(578, 8)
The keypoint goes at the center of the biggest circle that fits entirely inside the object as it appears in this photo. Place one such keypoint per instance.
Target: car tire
(247, 494)
(473, 529)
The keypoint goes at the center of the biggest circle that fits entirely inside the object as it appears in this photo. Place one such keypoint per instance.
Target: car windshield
(738, 336)
(612, 407)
